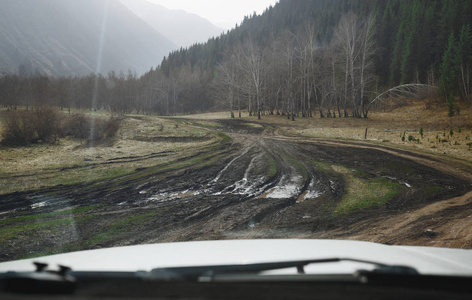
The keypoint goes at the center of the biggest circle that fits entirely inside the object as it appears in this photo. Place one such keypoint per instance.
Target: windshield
(130, 122)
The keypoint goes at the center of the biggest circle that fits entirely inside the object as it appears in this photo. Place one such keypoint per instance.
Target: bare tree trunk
(465, 83)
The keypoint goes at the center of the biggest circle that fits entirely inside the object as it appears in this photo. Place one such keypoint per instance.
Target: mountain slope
(410, 39)
(182, 28)
(67, 37)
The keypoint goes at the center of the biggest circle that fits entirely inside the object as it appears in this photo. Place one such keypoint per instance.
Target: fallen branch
(404, 90)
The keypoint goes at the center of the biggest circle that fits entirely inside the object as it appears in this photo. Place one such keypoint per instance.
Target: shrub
(91, 128)
(421, 132)
(110, 127)
(47, 125)
(411, 138)
(23, 127)
(77, 126)
(450, 106)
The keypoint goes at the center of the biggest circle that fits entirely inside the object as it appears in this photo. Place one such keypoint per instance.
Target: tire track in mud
(249, 174)
(261, 185)
(294, 198)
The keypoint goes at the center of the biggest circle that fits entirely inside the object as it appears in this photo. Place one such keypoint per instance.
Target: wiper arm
(206, 273)
(40, 281)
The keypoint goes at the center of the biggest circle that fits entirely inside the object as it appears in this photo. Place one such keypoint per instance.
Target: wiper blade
(382, 275)
(207, 273)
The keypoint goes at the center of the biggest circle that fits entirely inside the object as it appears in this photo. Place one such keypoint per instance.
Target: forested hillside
(411, 35)
(298, 57)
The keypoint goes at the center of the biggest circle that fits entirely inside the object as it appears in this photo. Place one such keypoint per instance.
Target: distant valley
(74, 38)
(180, 27)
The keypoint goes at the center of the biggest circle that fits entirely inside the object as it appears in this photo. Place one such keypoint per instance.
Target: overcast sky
(223, 13)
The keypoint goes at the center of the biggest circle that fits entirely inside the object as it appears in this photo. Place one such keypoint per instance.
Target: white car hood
(425, 260)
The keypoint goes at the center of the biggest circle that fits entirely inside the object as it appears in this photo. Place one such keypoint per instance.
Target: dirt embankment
(256, 184)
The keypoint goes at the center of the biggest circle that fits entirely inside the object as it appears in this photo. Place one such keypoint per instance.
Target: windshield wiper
(66, 280)
(210, 273)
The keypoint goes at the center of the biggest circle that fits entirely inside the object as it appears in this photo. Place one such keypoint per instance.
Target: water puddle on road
(167, 196)
(250, 186)
(287, 187)
(39, 204)
(399, 181)
(229, 164)
(246, 187)
(311, 192)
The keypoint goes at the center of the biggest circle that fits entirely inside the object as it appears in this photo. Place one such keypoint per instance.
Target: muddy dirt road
(254, 184)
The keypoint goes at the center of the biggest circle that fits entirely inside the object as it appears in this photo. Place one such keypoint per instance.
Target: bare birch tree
(251, 64)
(355, 38)
(227, 82)
(308, 54)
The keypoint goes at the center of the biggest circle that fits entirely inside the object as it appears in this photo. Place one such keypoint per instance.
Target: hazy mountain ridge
(64, 37)
(182, 28)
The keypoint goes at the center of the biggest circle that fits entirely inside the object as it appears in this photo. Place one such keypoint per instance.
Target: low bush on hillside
(48, 125)
(23, 127)
(91, 128)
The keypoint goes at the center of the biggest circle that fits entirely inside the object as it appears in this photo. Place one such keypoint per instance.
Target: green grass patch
(365, 194)
(33, 229)
(360, 173)
(90, 175)
(125, 225)
(322, 166)
(72, 211)
(80, 175)
(27, 227)
(298, 165)
(208, 126)
(361, 192)
(224, 138)
(272, 167)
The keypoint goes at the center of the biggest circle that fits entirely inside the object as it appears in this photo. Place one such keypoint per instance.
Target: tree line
(150, 94)
(295, 75)
(296, 58)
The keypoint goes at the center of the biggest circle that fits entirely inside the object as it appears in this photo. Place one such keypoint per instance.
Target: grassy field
(389, 126)
(142, 141)
(166, 153)
(145, 141)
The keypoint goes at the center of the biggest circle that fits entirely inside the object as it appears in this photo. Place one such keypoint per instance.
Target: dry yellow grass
(69, 161)
(142, 135)
(387, 127)
(209, 116)
(383, 126)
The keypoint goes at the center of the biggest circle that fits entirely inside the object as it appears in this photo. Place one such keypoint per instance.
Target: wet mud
(260, 185)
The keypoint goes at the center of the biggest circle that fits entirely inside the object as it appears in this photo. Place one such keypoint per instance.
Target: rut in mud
(258, 185)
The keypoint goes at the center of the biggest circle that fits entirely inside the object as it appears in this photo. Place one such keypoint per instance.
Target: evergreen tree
(464, 52)
(448, 73)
